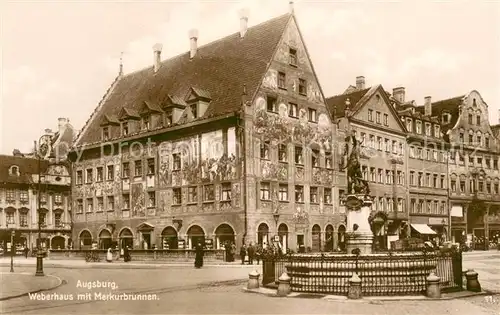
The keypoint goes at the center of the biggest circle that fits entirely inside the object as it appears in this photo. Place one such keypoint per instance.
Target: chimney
(291, 7)
(399, 94)
(157, 56)
(427, 106)
(193, 40)
(48, 132)
(243, 22)
(61, 123)
(360, 83)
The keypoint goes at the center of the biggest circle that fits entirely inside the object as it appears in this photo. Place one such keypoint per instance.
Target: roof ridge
(449, 99)
(208, 44)
(347, 94)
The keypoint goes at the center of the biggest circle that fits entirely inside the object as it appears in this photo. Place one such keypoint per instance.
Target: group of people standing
(252, 252)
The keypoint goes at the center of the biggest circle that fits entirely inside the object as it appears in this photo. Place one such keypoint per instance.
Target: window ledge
(176, 204)
(284, 201)
(208, 201)
(110, 210)
(192, 203)
(225, 201)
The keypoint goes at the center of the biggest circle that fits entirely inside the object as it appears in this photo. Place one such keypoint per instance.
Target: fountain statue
(358, 201)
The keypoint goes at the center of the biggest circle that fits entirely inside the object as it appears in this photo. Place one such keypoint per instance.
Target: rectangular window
(412, 178)
(315, 158)
(151, 199)
(272, 105)
(302, 87)
(57, 219)
(461, 137)
(400, 205)
(265, 191)
(298, 156)
(443, 182)
(176, 196)
(327, 196)
(373, 177)
(281, 80)
(105, 133)
(377, 117)
(89, 176)
(208, 193)
(194, 110)
(470, 119)
(293, 57)
(453, 185)
(138, 168)
(299, 193)
(100, 203)
(435, 181)
(126, 201)
(428, 129)
(496, 188)
(42, 218)
(264, 150)
(23, 219)
(471, 139)
(419, 127)
(79, 206)
(225, 192)
(90, 204)
(100, 174)
(462, 186)
(380, 176)
(111, 203)
(125, 170)
(370, 115)
(487, 162)
(495, 164)
(292, 110)
(110, 174)
(409, 125)
(176, 158)
(313, 194)
(328, 159)
(283, 192)
(394, 147)
(193, 194)
(412, 205)
(364, 172)
(341, 197)
(386, 120)
(387, 145)
(282, 153)
(125, 129)
(437, 131)
(146, 122)
(79, 177)
(10, 217)
(23, 196)
(312, 115)
(488, 188)
(151, 166)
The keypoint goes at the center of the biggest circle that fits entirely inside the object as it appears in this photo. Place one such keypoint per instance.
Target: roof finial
(121, 64)
(290, 7)
(244, 95)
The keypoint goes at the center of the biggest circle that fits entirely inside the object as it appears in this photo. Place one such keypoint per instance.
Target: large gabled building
(230, 141)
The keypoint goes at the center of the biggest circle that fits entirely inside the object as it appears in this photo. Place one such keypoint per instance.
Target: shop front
(420, 229)
(440, 226)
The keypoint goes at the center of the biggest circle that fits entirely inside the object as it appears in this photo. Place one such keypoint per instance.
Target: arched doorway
(195, 235)
(341, 237)
(329, 238)
(57, 242)
(169, 239)
(283, 235)
(85, 239)
(262, 234)
(105, 239)
(316, 238)
(224, 234)
(126, 238)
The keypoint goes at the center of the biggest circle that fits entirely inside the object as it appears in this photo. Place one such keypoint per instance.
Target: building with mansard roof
(228, 142)
(26, 211)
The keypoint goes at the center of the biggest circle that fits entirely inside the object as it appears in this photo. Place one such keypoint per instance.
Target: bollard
(253, 280)
(433, 286)
(354, 292)
(472, 282)
(284, 285)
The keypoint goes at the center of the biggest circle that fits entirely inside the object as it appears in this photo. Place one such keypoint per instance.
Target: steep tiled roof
(27, 166)
(220, 68)
(449, 105)
(336, 104)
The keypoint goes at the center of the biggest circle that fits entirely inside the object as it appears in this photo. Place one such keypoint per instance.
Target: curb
(60, 282)
(121, 266)
(370, 299)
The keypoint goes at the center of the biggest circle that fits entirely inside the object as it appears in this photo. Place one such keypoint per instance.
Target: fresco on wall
(279, 129)
(313, 93)
(137, 200)
(164, 201)
(271, 79)
(322, 176)
(274, 171)
(165, 177)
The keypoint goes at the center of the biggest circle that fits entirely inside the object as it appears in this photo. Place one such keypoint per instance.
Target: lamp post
(12, 233)
(42, 149)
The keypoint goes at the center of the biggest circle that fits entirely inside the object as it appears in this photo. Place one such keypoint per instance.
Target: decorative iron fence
(392, 273)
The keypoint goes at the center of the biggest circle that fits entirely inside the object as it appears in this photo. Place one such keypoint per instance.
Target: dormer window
(194, 110)
(419, 127)
(293, 56)
(409, 125)
(428, 129)
(146, 122)
(168, 117)
(14, 170)
(437, 131)
(105, 133)
(445, 118)
(125, 129)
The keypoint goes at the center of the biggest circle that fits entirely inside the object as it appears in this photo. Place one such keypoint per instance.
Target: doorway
(301, 248)
(146, 240)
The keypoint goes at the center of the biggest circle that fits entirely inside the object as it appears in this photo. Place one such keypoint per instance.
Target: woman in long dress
(198, 261)
(109, 255)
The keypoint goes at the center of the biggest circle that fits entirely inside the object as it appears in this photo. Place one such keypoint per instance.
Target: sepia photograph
(250, 157)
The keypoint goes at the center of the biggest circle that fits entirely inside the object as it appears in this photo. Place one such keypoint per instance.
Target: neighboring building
(19, 186)
(474, 160)
(369, 113)
(239, 148)
(427, 169)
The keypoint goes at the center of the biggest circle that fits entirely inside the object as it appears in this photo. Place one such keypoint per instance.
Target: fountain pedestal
(359, 234)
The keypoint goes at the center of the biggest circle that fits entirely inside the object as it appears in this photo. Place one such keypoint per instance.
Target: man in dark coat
(243, 253)
(198, 260)
(126, 254)
(251, 253)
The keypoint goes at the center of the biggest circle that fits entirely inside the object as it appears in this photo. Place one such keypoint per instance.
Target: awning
(423, 229)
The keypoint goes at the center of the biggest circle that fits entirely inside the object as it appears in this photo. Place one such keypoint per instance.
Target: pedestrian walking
(198, 260)
(233, 251)
(251, 253)
(26, 251)
(109, 255)
(243, 253)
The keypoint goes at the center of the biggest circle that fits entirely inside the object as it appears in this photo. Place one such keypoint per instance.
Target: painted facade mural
(292, 40)
(274, 171)
(137, 200)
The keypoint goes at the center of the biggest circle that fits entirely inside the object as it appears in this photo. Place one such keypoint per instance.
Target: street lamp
(276, 217)
(12, 233)
(41, 151)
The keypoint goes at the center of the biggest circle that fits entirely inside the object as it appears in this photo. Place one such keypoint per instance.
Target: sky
(58, 58)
